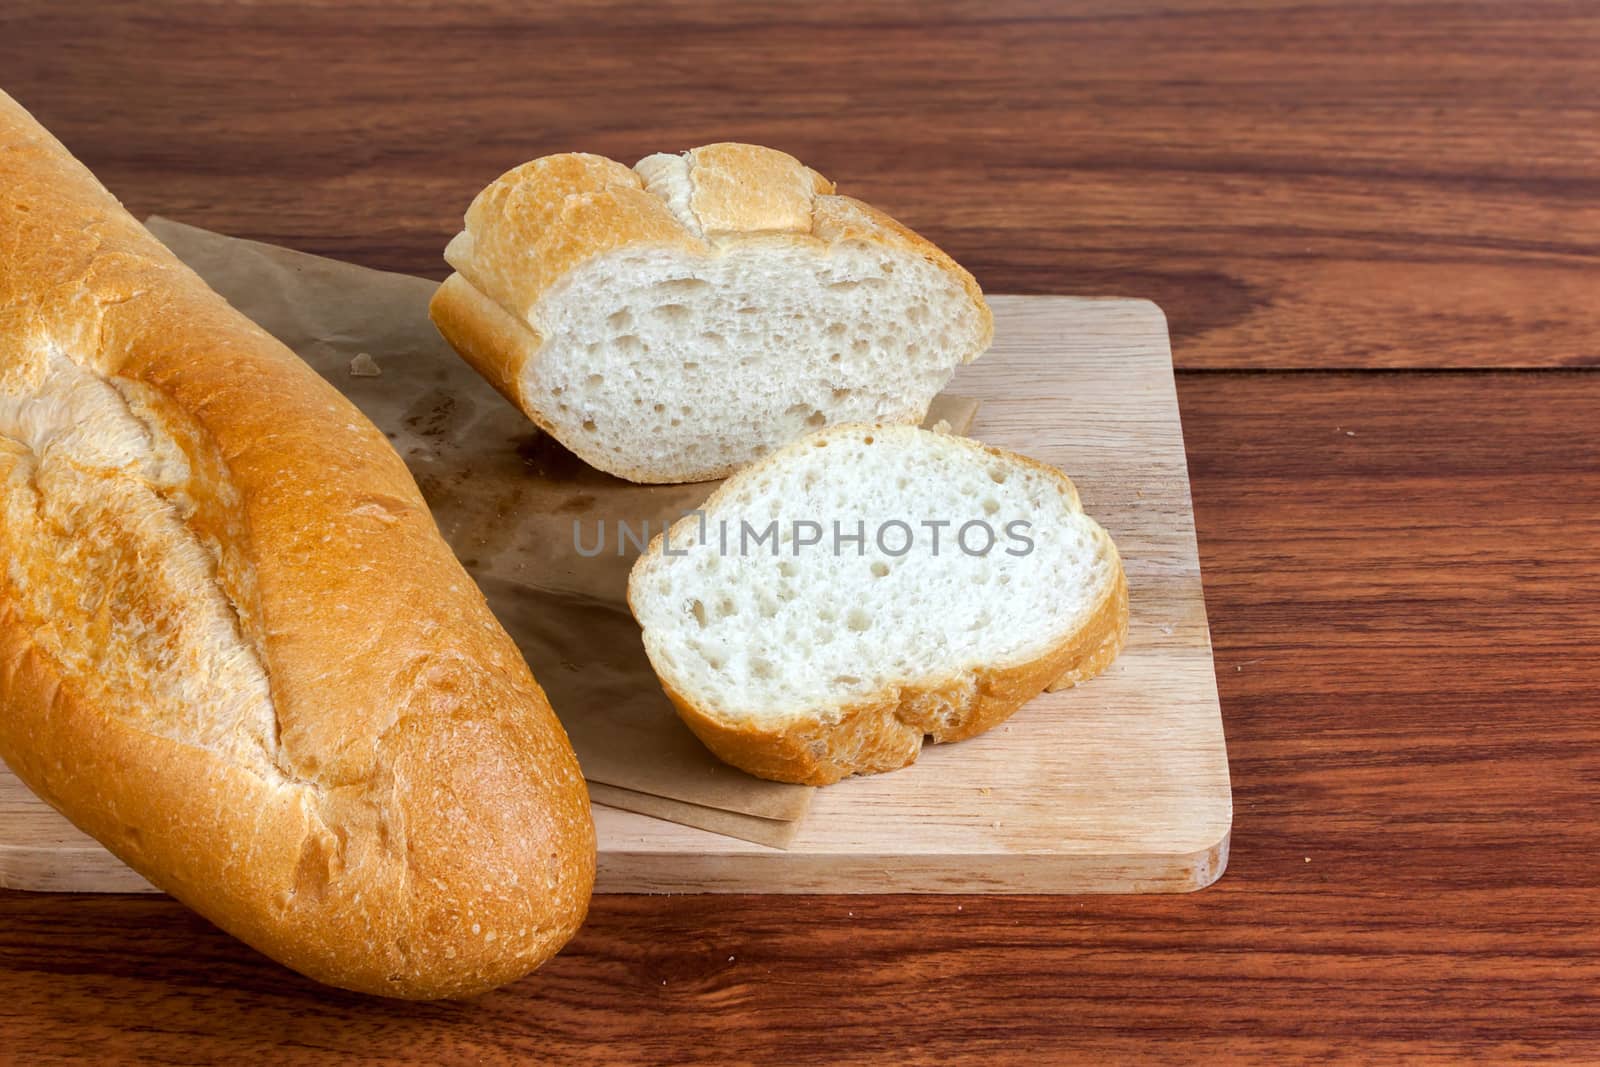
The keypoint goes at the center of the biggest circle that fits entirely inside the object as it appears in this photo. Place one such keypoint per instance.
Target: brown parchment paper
(513, 504)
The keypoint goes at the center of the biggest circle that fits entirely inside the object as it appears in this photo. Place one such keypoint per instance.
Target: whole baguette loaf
(675, 320)
(234, 647)
(868, 586)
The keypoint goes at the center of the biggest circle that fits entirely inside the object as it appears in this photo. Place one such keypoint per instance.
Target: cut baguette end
(673, 322)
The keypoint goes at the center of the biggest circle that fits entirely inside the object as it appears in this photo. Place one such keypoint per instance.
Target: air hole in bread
(620, 321)
(880, 569)
(697, 609)
(858, 620)
(673, 312)
(588, 425)
(681, 286)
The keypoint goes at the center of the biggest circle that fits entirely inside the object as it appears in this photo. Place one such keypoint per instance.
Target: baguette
(234, 647)
(841, 630)
(674, 321)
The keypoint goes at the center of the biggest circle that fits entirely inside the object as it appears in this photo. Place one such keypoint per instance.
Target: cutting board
(1118, 786)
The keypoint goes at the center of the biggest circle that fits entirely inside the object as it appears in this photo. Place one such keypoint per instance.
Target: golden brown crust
(417, 825)
(496, 345)
(538, 222)
(886, 732)
(740, 189)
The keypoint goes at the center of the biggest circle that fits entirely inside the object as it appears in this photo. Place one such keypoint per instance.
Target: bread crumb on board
(364, 366)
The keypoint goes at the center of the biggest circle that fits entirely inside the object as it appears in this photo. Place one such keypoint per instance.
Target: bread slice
(672, 322)
(800, 655)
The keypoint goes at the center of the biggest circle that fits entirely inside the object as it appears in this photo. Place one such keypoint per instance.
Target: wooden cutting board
(1119, 786)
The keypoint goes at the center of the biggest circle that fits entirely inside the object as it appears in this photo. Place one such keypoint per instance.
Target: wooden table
(1375, 231)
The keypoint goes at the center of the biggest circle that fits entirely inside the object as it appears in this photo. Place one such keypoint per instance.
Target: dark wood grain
(1299, 185)
(1401, 580)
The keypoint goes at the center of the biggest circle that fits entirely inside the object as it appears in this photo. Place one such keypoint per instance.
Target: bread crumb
(364, 366)
(985, 790)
